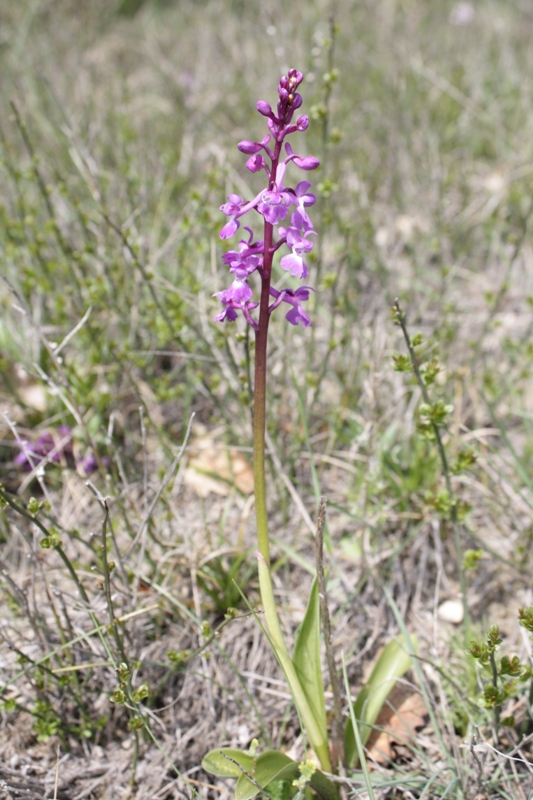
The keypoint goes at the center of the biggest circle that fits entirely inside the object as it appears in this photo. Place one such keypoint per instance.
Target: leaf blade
(272, 765)
(216, 763)
(393, 662)
(306, 659)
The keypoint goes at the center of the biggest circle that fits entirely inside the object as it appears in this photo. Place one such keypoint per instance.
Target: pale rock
(451, 611)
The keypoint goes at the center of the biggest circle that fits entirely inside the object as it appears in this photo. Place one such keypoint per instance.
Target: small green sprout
(434, 414)
(401, 363)
(34, 506)
(492, 697)
(52, 540)
(429, 371)
(123, 672)
(472, 558)
(511, 666)
(465, 460)
(178, 656)
(141, 693)
(525, 618)
(307, 770)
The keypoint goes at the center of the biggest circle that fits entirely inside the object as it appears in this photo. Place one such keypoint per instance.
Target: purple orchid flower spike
(274, 205)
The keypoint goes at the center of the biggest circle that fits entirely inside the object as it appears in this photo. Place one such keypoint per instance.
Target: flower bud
(255, 163)
(249, 147)
(307, 163)
(264, 108)
(297, 101)
(295, 78)
(302, 122)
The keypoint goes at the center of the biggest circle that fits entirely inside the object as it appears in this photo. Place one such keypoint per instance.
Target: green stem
(400, 317)
(497, 708)
(260, 422)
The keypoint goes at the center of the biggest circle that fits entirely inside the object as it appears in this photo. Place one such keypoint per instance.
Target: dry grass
(133, 124)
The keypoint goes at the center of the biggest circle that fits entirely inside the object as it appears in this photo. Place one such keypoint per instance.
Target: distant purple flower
(46, 447)
(88, 463)
(57, 447)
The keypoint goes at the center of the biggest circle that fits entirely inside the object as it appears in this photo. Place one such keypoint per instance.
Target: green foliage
(393, 662)
(278, 774)
(525, 617)
(46, 722)
(472, 559)
(225, 579)
(306, 659)
(52, 540)
(433, 415)
(500, 689)
(34, 506)
(110, 190)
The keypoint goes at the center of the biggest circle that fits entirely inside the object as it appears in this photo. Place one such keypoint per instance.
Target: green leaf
(306, 660)
(269, 766)
(325, 789)
(216, 764)
(391, 665)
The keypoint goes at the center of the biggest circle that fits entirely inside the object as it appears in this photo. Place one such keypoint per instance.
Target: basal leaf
(306, 659)
(269, 766)
(216, 763)
(393, 662)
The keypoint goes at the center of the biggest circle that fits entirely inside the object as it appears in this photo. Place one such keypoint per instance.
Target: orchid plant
(283, 212)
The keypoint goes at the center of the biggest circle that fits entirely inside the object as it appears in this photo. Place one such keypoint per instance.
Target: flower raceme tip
(275, 204)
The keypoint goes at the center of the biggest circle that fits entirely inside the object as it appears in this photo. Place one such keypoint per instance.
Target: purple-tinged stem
(261, 342)
(317, 736)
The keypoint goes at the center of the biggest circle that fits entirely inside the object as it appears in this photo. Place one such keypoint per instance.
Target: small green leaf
(141, 693)
(216, 763)
(34, 506)
(391, 665)
(269, 766)
(324, 788)
(306, 660)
